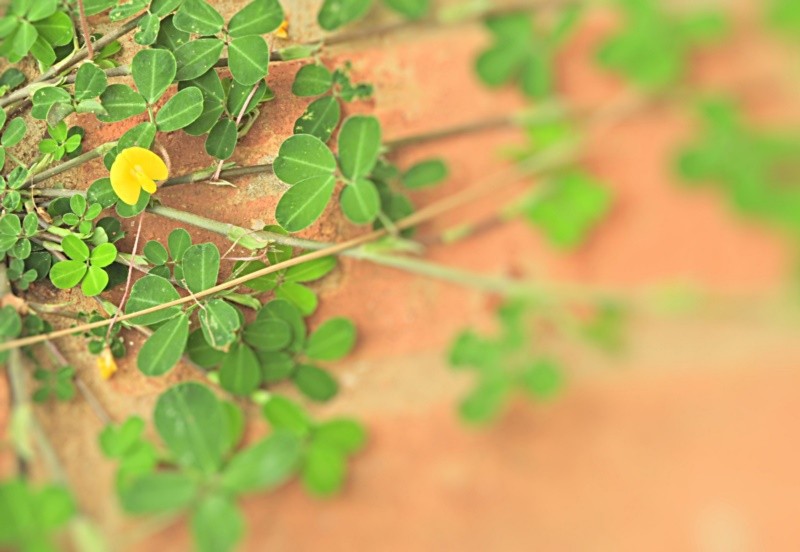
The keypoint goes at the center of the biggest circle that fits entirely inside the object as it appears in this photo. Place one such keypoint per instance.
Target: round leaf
(67, 274)
(75, 248)
(221, 140)
(315, 383)
(240, 372)
(333, 340)
(90, 82)
(359, 145)
(95, 281)
(360, 201)
(302, 157)
(153, 71)
(336, 13)
(201, 267)
(320, 118)
(248, 59)
(312, 80)
(256, 18)
(219, 322)
(196, 57)
(192, 424)
(198, 17)
(164, 348)
(181, 110)
(120, 102)
(103, 255)
(150, 291)
(303, 203)
(426, 173)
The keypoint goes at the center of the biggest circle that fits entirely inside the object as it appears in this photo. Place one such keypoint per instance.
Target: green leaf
(45, 97)
(41, 9)
(93, 7)
(153, 70)
(162, 8)
(571, 206)
(142, 135)
(315, 383)
(221, 140)
(155, 253)
(121, 102)
(336, 13)
(311, 270)
(192, 424)
(346, 436)
(150, 291)
(219, 322)
(67, 274)
(359, 145)
(268, 335)
(90, 82)
(209, 84)
(217, 524)
(333, 340)
(312, 80)
(302, 157)
(157, 493)
(320, 118)
(424, 174)
(248, 59)
(75, 248)
(57, 29)
(360, 201)
(178, 242)
(256, 18)
(148, 26)
(201, 267)
(196, 57)
(323, 470)
(164, 348)
(116, 441)
(240, 372)
(412, 9)
(201, 352)
(238, 93)
(285, 414)
(103, 255)
(543, 379)
(14, 132)
(198, 17)
(299, 295)
(263, 466)
(181, 110)
(485, 402)
(169, 37)
(283, 310)
(95, 281)
(20, 41)
(276, 367)
(302, 204)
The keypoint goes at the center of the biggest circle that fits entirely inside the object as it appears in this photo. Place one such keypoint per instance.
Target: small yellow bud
(106, 364)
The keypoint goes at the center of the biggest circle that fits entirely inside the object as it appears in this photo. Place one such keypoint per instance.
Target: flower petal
(124, 182)
(147, 184)
(147, 161)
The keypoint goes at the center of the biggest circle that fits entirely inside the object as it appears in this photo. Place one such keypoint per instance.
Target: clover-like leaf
(153, 70)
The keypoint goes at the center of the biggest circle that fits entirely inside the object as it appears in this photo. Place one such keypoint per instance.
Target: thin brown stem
(129, 279)
(87, 35)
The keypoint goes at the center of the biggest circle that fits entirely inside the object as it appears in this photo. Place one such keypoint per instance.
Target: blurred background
(665, 267)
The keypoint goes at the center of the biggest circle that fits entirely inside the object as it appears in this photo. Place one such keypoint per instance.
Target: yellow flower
(106, 364)
(283, 30)
(135, 169)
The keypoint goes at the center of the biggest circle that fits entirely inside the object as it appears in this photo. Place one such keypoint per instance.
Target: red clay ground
(684, 442)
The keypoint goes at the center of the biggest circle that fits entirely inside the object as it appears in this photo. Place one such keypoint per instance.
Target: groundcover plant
(121, 84)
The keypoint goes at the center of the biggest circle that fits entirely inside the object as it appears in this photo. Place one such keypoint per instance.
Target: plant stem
(87, 36)
(99, 151)
(544, 161)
